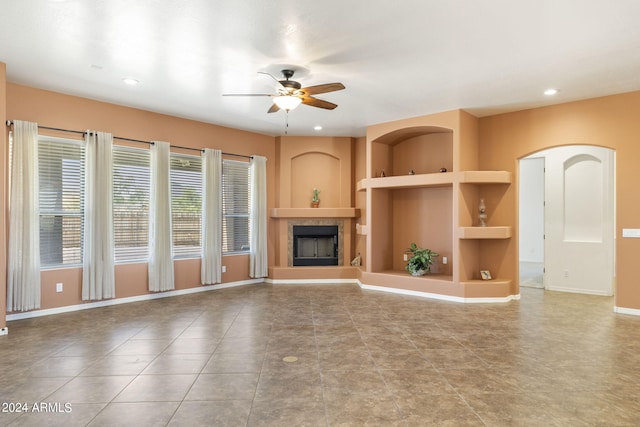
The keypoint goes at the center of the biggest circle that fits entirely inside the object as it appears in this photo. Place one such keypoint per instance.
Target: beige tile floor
(363, 358)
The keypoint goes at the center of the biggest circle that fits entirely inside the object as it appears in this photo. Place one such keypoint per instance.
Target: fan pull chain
(286, 122)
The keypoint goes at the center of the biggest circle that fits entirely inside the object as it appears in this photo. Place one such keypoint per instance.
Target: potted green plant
(315, 200)
(420, 260)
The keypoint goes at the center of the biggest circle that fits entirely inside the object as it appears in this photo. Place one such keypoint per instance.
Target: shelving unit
(408, 181)
(414, 202)
(484, 232)
(484, 177)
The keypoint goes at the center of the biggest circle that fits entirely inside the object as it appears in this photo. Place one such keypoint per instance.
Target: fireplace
(315, 245)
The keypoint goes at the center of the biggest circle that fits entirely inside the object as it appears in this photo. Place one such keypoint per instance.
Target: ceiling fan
(290, 93)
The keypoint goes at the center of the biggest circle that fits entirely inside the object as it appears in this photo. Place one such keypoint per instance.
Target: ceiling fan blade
(273, 109)
(277, 81)
(328, 87)
(315, 102)
(248, 94)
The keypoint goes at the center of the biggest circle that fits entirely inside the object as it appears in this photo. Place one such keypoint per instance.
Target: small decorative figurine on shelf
(356, 261)
(315, 200)
(412, 172)
(482, 215)
(443, 169)
(382, 174)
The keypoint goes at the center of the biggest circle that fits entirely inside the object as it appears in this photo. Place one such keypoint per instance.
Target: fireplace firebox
(315, 245)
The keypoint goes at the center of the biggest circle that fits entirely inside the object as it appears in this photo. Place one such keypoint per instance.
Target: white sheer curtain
(160, 236)
(258, 266)
(23, 269)
(98, 281)
(211, 263)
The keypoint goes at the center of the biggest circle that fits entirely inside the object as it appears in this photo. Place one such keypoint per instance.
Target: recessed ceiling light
(317, 127)
(290, 29)
(550, 92)
(130, 81)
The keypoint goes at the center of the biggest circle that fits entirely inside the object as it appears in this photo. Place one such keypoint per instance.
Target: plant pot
(418, 272)
(315, 204)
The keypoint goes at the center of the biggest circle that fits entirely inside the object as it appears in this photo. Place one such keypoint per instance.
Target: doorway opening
(567, 220)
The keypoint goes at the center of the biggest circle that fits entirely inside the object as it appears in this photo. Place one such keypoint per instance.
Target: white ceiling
(397, 59)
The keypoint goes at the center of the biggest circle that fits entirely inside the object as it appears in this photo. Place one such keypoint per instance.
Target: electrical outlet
(405, 257)
(59, 287)
(565, 273)
(224, 268)
(445, 260)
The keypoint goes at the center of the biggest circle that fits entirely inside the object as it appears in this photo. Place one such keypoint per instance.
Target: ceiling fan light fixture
(287, 102)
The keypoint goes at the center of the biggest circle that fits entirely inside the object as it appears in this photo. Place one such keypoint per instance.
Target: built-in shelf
(408, 181)
(404, 275)
(436, 179)
(484, 232)
(403, 281)
(446, 200)
(484, 177)
(315, 213)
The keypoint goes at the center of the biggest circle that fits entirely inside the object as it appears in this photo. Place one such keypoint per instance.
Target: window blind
(61, 180)
(235, 205)
(131, 186)
(186, 205)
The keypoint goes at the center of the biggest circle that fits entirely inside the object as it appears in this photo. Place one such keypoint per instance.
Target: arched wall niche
(400, 135)
(305, 163)
(315, 170)
(418, 149)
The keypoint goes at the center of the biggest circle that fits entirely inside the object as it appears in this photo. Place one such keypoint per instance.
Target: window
(131, 179)
(235, 206)
(186, 205)
(61, 180)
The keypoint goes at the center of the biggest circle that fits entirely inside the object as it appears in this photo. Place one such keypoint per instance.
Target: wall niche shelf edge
(502, 232)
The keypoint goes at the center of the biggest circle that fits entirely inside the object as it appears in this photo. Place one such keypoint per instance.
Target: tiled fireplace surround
(293, 222)
(305, 163)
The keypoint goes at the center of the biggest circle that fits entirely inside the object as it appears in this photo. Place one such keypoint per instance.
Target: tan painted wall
(69, 112)
(360, 172)
(430, 208)
(423, 154)
(305, 163)
(610, 122)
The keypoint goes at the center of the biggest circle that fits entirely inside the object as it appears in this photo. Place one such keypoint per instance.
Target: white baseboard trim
(623, 310)
(578, 291)
(392, 290)
(311, 281)
(440, 296)
(4, 331)
(118, 301)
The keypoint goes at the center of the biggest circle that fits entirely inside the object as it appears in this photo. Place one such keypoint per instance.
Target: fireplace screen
(315, 245)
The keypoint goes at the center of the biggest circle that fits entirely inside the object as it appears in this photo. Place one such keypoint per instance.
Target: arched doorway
(567, 219)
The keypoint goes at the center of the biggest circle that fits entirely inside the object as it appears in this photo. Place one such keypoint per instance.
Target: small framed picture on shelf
(485, 274)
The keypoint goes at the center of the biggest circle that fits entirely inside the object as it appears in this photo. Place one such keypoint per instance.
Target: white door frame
(569, 264)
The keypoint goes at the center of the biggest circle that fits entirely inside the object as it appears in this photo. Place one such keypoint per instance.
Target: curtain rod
(10, 122)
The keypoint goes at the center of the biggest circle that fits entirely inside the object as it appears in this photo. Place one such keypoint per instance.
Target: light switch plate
(631, 232)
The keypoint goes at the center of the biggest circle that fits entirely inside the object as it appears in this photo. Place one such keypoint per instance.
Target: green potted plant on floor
(420, 260)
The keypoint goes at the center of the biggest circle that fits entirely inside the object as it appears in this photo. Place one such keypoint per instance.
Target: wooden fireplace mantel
(315, 213)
